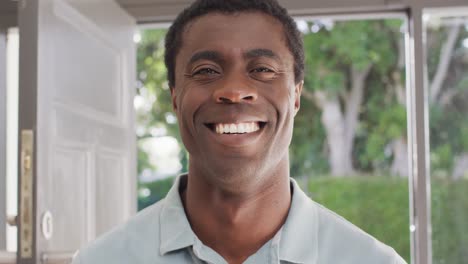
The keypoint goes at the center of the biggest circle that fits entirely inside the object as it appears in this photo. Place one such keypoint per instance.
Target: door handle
(57, 257)
(12, 220)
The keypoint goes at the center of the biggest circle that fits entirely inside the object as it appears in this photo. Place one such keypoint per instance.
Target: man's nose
(235, 92)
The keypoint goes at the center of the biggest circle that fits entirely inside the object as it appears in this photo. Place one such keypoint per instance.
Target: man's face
(235, 95)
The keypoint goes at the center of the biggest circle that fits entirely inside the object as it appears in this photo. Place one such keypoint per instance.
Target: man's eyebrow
(207, 55)
(255, 53)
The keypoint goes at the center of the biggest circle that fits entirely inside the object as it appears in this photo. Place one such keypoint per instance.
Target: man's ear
(174, 97)
(297, 96)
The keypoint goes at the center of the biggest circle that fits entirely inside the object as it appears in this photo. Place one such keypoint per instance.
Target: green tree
(341, 59)
(448, 96)
(154, 114)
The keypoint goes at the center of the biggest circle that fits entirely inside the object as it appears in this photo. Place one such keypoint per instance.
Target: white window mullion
(418, 133)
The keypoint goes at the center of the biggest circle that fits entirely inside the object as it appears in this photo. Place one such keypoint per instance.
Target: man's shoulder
(132, 242)
(336, 234)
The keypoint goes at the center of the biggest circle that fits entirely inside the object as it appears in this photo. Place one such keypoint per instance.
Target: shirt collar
(299, 234)
(298, 237)
(176, 232)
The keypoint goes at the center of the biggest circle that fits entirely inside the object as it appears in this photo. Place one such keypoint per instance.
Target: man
(235, 69)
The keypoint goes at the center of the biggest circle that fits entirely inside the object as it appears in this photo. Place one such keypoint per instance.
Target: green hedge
(158, 190)
(379, 205)
(450, 221)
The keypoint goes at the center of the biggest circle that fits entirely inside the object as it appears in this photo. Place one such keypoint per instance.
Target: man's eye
(262, 69)
(205, 71)
(263, 74)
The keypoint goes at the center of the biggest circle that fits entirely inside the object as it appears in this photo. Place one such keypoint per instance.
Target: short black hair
(173, 41)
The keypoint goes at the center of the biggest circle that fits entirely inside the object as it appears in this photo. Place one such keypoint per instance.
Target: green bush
(450, 221)
(380, 206)
(157, 191)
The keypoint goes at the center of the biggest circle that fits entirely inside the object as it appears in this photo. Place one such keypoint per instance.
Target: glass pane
(447, 73)
(349, 150)
(161, 154)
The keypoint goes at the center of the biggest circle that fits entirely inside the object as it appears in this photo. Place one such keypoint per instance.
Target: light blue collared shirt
(311, 234)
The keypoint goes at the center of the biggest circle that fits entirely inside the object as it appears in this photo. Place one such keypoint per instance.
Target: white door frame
(3, 34)
(8, 18)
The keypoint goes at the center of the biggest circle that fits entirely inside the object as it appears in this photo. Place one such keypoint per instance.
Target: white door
(78, 177)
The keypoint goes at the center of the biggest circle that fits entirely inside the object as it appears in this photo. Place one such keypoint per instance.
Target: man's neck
(237, 226)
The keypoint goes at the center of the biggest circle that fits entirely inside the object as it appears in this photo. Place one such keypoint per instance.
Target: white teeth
(240, 128)
(233, 128)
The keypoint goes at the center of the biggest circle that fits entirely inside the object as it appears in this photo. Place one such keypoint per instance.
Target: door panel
(85, 159)
(71, 179)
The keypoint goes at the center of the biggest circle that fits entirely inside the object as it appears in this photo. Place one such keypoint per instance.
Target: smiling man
(235, 69)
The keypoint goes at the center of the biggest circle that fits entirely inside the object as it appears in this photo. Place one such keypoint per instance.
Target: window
(349, 149)
(161, 154)
(447, 86)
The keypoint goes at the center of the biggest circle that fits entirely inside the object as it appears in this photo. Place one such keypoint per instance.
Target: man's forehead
(220, 16)
(253, 34)
(217, 20)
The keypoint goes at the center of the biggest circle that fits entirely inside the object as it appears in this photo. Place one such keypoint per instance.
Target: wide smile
(235, 128)
(235, 134)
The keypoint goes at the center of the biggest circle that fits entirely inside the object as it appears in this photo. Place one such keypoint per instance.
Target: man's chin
(233, 163)
(237, 158)
(234, 179)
